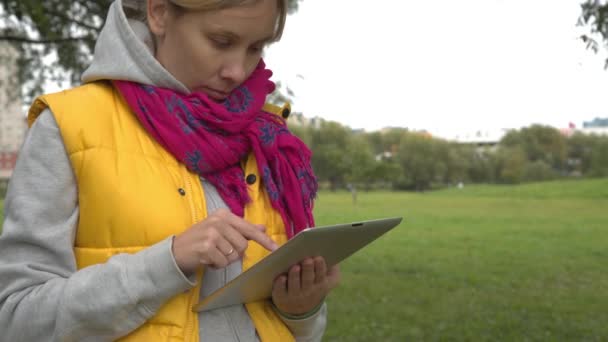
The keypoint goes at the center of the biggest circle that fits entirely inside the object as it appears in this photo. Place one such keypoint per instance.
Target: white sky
(446, 66)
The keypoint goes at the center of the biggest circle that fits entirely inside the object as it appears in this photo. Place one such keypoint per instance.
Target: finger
(224, 246)
(233, 256)
(261, 227)
(279, 289)
(216, 240)
(236, 240)
(293, 282)
(333, 276)
(308, 273)
(252, 232)
(215, 258)
(320, 270)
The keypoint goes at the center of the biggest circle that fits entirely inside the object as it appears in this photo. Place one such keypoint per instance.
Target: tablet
(335, 243)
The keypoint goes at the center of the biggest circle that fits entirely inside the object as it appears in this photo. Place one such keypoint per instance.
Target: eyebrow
(235, 36)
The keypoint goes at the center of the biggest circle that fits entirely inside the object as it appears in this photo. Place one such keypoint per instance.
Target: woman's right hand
(217, 241)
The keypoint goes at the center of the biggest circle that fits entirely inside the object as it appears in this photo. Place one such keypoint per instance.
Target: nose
(234, 70)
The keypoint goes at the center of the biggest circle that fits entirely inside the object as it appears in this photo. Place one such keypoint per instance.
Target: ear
(158, 16)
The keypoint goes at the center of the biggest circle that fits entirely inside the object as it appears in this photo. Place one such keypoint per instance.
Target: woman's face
(213, 51)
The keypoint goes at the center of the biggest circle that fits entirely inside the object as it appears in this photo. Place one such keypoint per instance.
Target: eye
(221, 43)
(255, 49)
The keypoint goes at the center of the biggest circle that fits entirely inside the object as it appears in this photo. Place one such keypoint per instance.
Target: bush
(3, 186)
(538, 171)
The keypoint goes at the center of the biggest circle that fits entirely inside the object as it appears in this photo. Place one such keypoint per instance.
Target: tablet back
(335, 243)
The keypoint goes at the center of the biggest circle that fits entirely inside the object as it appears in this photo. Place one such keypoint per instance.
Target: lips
(214, 93)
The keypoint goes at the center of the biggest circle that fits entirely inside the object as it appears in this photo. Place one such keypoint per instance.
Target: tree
(599, 159)
(482, 167)
(588, 155)
(457, 160)
(539, 142)
(360, 161)
(580, 147)
(511, 164)
(538, 171)
(374, 140)
(62, 28)
(385, 172)
(302, 132)
(594, 15)
(419, 157)
(330, 161)
(391, 138)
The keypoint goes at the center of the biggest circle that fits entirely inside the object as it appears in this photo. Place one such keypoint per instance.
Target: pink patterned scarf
(212, 139)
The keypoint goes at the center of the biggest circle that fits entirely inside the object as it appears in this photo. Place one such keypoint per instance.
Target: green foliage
(406, 160)
(329, 159)
(67, 29)
(376, 141)
(3, 188)
(359, 161)
(63, 28)
(481, 167)
(599, 159)
(594, 15)
(483, 263)
(542, 143)
(580, 147)
(538, 171)
(588, 155)
(420, 160)
(512, 162)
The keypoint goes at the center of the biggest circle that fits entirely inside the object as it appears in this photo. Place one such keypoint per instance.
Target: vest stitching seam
(86, 149)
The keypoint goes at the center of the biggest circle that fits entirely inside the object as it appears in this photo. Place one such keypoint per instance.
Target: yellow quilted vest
(132, 194)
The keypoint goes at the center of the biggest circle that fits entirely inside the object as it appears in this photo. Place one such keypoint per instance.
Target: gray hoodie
(42, 294)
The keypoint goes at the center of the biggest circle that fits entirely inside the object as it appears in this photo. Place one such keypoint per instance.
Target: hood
(124, 50)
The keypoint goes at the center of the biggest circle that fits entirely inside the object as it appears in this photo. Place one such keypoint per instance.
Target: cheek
(252, 62)
(207, 64)
(199, 63)
(176, 56)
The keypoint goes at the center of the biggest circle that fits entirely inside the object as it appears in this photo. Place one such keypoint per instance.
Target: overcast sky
(446, 66)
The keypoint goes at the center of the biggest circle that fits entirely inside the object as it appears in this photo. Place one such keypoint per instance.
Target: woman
(158, 181)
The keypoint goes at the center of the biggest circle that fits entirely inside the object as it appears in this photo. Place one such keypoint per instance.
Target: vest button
(181, 191)
(285, 113)
(251, 178)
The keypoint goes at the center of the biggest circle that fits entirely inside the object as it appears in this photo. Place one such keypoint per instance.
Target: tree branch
(27, 40)
(72, 20)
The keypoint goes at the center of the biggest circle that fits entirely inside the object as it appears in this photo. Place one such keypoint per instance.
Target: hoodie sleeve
(309, 328)
(42, 295)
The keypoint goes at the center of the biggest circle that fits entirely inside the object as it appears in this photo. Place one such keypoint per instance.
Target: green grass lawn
(484, 263)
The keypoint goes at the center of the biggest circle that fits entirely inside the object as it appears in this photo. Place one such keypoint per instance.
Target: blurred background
(482, 122)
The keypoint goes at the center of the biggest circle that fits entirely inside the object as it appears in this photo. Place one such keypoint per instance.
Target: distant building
(482, 140)
(597, 122)
(597, 126)
(299, 120)
(12, 120)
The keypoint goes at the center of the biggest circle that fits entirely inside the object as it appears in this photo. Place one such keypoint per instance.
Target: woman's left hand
(304, 286)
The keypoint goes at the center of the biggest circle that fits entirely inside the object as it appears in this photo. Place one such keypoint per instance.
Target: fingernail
(274, 246)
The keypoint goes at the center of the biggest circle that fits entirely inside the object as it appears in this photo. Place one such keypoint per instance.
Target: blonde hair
(212, 5)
